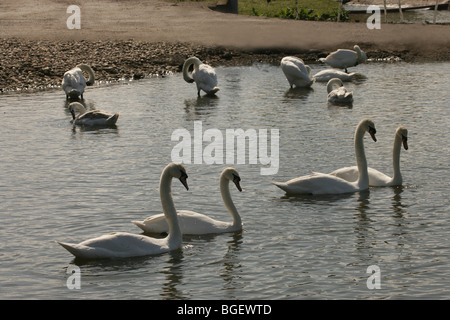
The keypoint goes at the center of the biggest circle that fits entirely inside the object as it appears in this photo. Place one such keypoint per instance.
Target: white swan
(94, 118)
(321, 183)
(337, 93)
(328, 74)
(203, 75)
(377, 178)
(74, 82)
(296, 72)
(196, 223)
(124, 245)
(344, 58)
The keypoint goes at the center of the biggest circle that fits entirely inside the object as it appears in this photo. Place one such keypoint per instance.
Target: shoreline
(146, 44)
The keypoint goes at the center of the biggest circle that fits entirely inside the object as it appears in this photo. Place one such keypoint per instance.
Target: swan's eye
(372, 129)
(236, 178)
(405, 138)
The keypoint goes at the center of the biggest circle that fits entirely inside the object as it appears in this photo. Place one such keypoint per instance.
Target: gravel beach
(133, 39)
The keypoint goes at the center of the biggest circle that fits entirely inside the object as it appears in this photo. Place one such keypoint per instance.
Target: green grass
(307, 9)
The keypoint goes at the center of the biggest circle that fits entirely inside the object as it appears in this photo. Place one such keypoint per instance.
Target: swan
(337, 93)
(328, 74)
(74, 82)
(321, 183)
(203, 75)
(377, 178)
(94, 118)
(345, 58)
(296, 72)
(123, 244)
(196, 223)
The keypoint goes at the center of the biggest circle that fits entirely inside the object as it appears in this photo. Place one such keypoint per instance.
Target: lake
(60, 183)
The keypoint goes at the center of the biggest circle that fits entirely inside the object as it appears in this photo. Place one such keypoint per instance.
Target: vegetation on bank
(318, 10)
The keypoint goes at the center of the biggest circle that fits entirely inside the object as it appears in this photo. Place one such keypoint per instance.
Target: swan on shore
(345, 58)
(328, 74)
(94, 118)
(296, 72)
(327, 184)
(74, 82)
(196, 223)
(377, 178)
(203, 75)
(125, 245)
(337, 93)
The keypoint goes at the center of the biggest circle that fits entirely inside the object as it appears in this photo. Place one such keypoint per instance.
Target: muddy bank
(39, 64)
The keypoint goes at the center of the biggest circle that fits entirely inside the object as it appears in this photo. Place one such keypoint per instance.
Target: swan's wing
(74, 80)
(116, 245)
(317, 183)
(347, 173)
(328, 74)
(342, 58)
(296, 73)
(154, 224)
(205, 78)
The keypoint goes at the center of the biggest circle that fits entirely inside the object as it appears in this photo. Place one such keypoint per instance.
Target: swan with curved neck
(124, 245)
(377, 178)
(321, 183)
(328, 74)
(94, 118)
(74, 82)
(196, 223)
(296, 72)
(337, 93)
(203, 75)
(345, 58)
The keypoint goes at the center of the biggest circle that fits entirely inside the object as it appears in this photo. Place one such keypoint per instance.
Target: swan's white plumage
(337, 93)
(74, 82)
(123, 244)
(328, 74)
(296, 72)
(94, 118)
(196, 223)
(377, 178)
(203, 75)
(345, 58)
(321, 183)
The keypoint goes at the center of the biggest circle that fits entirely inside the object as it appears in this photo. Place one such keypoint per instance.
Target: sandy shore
(135, 38)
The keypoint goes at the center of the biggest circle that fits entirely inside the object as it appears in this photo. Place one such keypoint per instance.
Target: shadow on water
(199, 107)
(298, 93)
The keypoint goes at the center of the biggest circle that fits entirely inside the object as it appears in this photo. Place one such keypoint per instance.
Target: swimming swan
(328, 74)
(321, 183)
(337, 93)
(296, 72)
(377, 178)
(196, 223)
(94, 118)
(203, 75)
(344, 58)
(124, 245)
(74, 82)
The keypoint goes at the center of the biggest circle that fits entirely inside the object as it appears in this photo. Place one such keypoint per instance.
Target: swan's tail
(283, 186)
(139, 224)
(71, 248)
(113, 119)
(322, 60)
(213, 90)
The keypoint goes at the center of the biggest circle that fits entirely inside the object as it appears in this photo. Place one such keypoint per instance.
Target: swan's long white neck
(332, 83)
(397, 178)
(361, 162)
(89, 71)
(226, 196)
(165, 192)
(191, 61)
(358, 52)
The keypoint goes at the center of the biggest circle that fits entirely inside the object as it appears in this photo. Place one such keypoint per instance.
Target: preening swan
(344, 58)
(328, 74)
(203, 75)
(321, 183)
(196, 223)
(377, 178)
(94, 118)
(124, 245)
(337, 93)
(74, 82)
(296, 72)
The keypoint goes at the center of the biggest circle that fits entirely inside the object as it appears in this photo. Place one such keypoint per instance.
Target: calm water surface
(62, 183)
